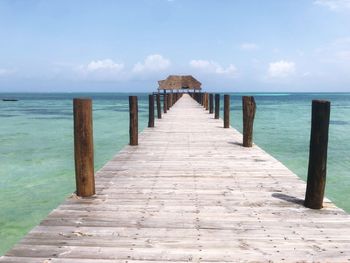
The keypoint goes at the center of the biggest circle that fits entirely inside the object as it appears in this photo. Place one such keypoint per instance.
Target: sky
(122, 46)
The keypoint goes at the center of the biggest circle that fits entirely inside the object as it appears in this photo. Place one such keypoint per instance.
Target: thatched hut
(176, 82)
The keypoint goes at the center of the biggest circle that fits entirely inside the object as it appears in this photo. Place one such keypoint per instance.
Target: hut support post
(226, 111)
(83, 147)
(317, 171)
(217, 106)
(159, 106)
(150, 110)
(249, 108)
(133, 125)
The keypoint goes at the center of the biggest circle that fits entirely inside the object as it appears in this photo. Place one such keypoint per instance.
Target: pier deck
(189, 193)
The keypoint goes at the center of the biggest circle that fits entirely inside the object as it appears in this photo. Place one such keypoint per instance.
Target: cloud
(281, 69)
(334, 5)
(104, 69)
(152, 63)
(104, 65)
(213, 67)
(249, 46)
(5, 72)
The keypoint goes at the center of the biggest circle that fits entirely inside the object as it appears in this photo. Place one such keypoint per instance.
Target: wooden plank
(189, 192)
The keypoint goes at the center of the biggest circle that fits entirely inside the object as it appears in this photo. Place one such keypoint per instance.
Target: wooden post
(168, 103)
(211, 103)
(217, 106)
(150, 111)
(133, 126)
(249, 108)
(159, 107)
(165, 102)
(83, 147)
(316, 177)
(206, 101)
(226, 111)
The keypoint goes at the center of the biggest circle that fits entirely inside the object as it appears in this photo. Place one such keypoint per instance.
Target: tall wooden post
(206, 101)
(211, 103)
(249, 108)
(316, 178)
(83, 147)
(165, 102)
(151, 111)
(133, 125)
(159, 107)
(217, 106)
(226, 111)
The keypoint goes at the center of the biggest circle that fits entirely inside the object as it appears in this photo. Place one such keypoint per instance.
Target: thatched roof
(179, 82)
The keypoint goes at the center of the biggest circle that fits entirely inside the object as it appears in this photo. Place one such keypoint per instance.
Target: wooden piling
(317, 171)
(168, 101)
(83, 147)
(226, 111)
(159, 107)
(217, 106)
(133, 125)
(211, 103)
(249, 108)
(150, 111)
(206, 101)
(165, 102)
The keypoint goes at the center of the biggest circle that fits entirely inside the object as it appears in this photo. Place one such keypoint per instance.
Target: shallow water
(36, 152)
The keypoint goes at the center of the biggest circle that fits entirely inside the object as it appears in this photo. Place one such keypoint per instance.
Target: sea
(36, 145)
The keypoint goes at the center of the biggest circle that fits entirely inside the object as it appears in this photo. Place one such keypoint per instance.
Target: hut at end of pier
(179, 83)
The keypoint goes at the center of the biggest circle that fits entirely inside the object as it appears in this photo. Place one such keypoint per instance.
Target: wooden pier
(189, 192)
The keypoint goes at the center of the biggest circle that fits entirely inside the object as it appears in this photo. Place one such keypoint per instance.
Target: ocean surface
(36, 146)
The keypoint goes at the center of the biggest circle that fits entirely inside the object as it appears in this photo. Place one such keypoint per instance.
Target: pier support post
(133, 125)
(317, 171)
(83, 147)
(211, 103)
(226, 111)
(206, 101)
(249, 108)
(217, 106)
(168, 101)
(165, 102)
(159, 107)
(150, 111)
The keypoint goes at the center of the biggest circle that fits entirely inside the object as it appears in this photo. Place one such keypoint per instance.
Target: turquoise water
(36, 153)
(36, 146)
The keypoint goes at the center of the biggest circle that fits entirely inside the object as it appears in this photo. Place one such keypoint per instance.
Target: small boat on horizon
(9, 100)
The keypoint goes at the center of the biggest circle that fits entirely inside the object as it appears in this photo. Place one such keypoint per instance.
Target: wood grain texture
(83, 147)
(317, 170)
(133, 121)
(249, 108)
(226, 111)
(190, 193)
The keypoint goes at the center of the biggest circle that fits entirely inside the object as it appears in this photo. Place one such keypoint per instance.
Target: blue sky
(229, 45)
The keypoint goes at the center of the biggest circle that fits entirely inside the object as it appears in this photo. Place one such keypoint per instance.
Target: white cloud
(104, 65)
(281, 69)
(213, 67)
(249, 46)
(104, 69)
(334, 5)
(152, 63)
(5, 72)
(343, 55)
